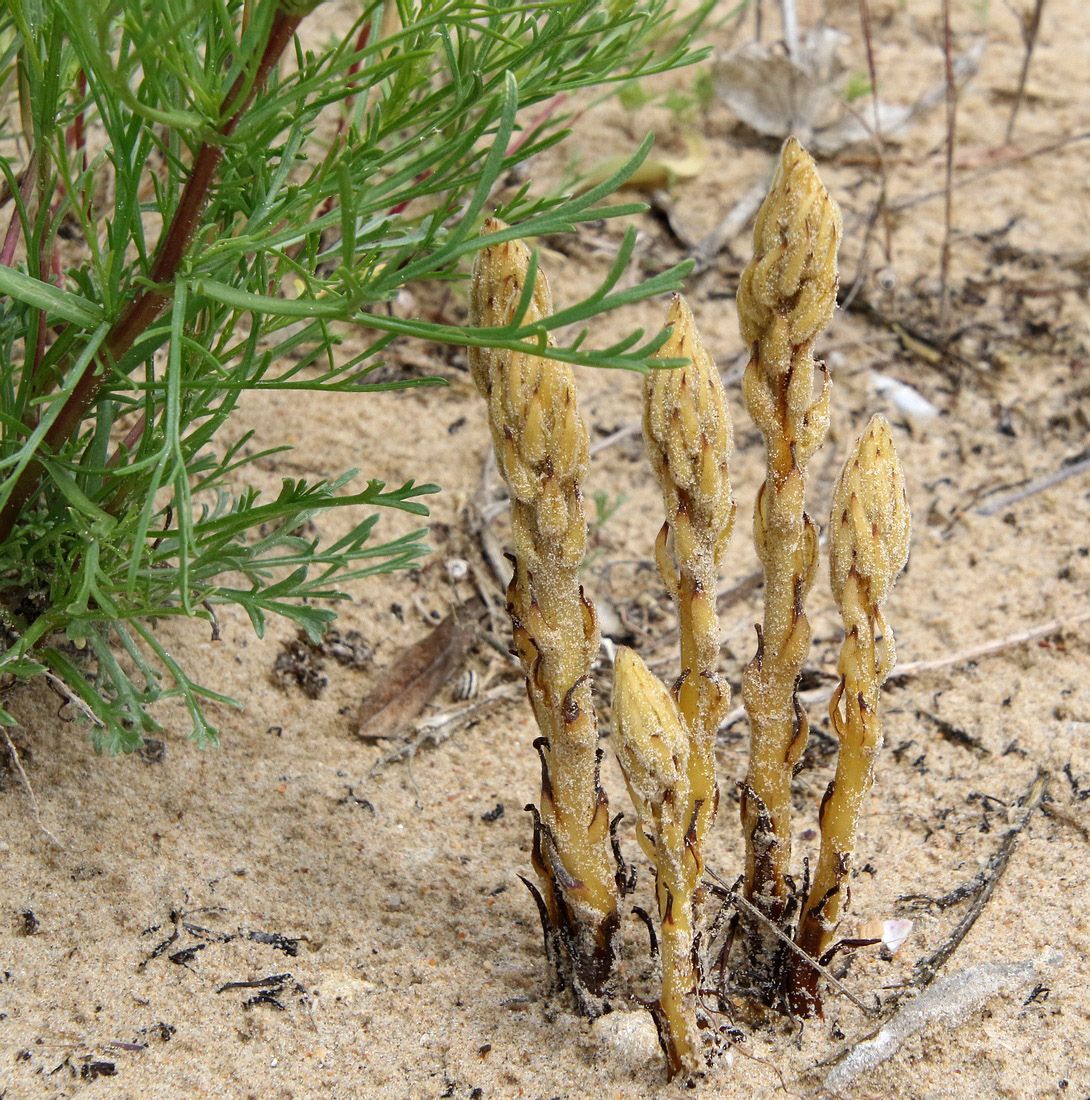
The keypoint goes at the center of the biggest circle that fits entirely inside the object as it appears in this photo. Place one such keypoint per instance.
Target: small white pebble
(457, 569)
(910, 403)
(630, 1034)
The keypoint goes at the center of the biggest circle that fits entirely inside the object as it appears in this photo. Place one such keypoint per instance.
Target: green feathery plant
(171, 171)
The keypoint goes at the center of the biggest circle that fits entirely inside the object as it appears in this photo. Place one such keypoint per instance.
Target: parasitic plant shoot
(869, 528)
(785, 299)
(665, 738)
(655, 751)
(541, 449)
(688, 433)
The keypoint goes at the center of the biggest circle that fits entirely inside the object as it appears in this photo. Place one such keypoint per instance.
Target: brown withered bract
(542, 451)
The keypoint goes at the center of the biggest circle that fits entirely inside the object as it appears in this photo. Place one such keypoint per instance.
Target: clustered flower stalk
(665, 739)
(869, 527)
(541, 448)
(785, 299)
(666, 742)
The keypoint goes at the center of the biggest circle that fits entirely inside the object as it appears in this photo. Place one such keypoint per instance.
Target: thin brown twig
(881, 210)
(1006, 162)
(927, 969)
(1031, 27)
(729, 226)
(34, 806)
(734, 897)
(951, 138)
(913, 668)
(440, 727)
(1066, 819)
(997, 504)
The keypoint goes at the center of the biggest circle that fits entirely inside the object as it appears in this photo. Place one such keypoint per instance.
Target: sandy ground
(278, 919)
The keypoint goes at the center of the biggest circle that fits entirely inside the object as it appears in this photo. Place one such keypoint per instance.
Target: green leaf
(61, 304)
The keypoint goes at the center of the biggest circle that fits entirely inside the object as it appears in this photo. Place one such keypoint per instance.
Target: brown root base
(579, 958)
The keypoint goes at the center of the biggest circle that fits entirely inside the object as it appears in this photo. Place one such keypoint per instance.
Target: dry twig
(1038, 485)
(35, 808)
(926, 969)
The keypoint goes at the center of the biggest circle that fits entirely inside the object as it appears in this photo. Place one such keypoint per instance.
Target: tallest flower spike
(542, 452)
(785, 299)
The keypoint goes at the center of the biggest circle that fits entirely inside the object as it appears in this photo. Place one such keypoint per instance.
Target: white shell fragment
(457, 569)
(910, 403)
(894, 934)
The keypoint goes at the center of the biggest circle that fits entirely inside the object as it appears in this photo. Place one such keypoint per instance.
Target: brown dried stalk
(869, 526)
(785, 298)
(654, 751)
(541, 449)
(689, 437)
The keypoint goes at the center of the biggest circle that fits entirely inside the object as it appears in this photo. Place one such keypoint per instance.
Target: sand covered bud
(689, 433)
(869, 521)
(689, 436)
(541, 448)
(499, 276)
(652, 744)
(786, 296)
(869, 529)
(795, 243)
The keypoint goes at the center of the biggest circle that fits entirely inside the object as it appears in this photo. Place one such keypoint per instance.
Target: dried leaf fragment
(418, 673)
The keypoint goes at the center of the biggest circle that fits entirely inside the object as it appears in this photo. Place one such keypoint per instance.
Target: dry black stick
(926, 969)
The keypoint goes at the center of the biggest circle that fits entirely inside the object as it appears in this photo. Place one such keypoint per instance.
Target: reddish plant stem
(74, 136)
(879, 141)
(1031, 27)
(146, 306)
(340, 138)
(11, 237)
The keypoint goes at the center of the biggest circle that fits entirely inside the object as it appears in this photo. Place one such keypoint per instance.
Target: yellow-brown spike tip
(870, 522)
(687, 424)
(795, 241)
(652, 745)
(499, 276)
